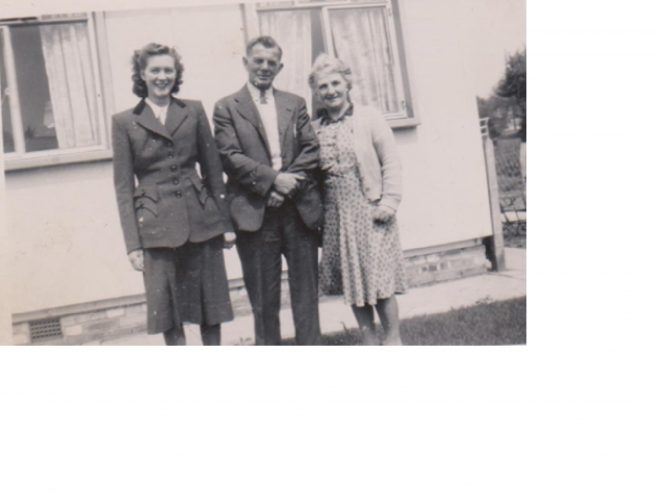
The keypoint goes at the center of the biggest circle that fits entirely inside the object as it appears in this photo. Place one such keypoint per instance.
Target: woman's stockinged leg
(387, 309)
(174, 336)
(211, 335)
(365, 318)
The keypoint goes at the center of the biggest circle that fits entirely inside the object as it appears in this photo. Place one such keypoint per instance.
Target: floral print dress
(361, 258)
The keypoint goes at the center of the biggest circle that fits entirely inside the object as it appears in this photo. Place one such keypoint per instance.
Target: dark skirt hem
(186, 284)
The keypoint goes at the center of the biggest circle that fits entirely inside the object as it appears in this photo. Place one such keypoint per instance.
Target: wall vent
(45, 329)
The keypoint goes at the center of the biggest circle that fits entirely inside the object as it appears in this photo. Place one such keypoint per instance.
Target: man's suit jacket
(243, 147)
(171, 204)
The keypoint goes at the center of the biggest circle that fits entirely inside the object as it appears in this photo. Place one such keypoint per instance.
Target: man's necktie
(263, 97)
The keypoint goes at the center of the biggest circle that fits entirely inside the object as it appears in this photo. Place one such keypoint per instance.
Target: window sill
(403, 123)
(45, 160)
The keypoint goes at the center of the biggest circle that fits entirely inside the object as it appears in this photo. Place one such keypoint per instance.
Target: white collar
(255, 92)
(157, 109)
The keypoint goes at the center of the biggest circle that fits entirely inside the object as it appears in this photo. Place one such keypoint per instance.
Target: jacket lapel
(145, 117)
(176, 115)
(246, 107)
(284, 109)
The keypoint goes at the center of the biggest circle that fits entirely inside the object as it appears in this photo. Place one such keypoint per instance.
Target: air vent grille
(45, 329)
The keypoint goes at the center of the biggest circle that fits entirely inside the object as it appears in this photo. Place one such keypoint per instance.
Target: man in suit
(271, 155)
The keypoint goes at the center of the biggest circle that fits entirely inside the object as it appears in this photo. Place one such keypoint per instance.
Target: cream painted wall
(445, 195)
(66, 241)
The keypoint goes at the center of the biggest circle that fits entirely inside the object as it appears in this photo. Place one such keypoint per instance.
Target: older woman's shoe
(369, 337)
(392, 339)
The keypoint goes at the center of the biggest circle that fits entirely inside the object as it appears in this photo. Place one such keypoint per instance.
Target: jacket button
(173, 168)
(179, 193)
(176, 181)
(171, 155)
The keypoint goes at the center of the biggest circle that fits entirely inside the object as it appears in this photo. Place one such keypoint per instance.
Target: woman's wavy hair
(326, 64)
(140, 59)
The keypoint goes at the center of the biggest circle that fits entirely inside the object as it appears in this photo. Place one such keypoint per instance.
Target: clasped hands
(284, 185)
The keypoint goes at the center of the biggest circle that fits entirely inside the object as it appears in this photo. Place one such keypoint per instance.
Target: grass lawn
(486, 323)
(514, 238)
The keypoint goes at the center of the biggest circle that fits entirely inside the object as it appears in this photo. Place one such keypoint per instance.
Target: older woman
(174, 222)
(361, 255)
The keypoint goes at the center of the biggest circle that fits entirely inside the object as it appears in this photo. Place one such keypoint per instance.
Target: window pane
(7, 134)
(57, 92)
(362, 40)
(34, 94)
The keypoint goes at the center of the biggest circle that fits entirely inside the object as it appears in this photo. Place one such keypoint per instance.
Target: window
(366, 34)
(51, 98)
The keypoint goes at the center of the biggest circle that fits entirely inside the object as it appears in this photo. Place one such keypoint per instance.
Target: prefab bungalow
(67, 278)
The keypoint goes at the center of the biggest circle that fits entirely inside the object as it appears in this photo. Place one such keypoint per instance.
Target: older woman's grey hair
(325, 64)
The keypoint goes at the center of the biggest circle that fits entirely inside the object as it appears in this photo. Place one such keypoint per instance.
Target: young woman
(175, 222)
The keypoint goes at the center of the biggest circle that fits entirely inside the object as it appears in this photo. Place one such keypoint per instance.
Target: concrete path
(336, 316)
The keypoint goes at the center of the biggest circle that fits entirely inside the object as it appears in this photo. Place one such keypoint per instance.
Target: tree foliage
(506, 107)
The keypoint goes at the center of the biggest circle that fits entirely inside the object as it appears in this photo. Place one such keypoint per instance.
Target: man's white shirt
(268, 116)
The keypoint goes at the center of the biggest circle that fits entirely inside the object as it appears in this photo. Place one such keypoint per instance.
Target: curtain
(67, 56)
(292, 30)
(361, 40)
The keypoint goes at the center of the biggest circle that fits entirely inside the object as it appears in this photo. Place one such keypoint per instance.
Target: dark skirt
(186, 284)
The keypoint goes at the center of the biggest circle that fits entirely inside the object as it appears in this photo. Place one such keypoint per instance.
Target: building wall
(445, 187)
(67, 246)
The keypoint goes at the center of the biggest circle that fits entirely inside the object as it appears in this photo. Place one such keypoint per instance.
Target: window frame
(401, 70)
(21, 159)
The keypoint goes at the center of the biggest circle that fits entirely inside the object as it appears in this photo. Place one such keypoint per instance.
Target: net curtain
(67, 56)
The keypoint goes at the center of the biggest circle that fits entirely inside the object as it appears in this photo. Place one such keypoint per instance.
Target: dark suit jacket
(243, 147)
(171, 204)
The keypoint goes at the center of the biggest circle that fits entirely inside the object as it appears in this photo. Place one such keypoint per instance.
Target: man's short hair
(267, 42)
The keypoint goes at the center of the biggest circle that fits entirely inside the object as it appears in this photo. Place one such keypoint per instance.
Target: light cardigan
(376, 154)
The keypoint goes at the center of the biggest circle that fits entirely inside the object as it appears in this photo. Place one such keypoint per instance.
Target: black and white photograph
(263, 173)
(335, 193)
